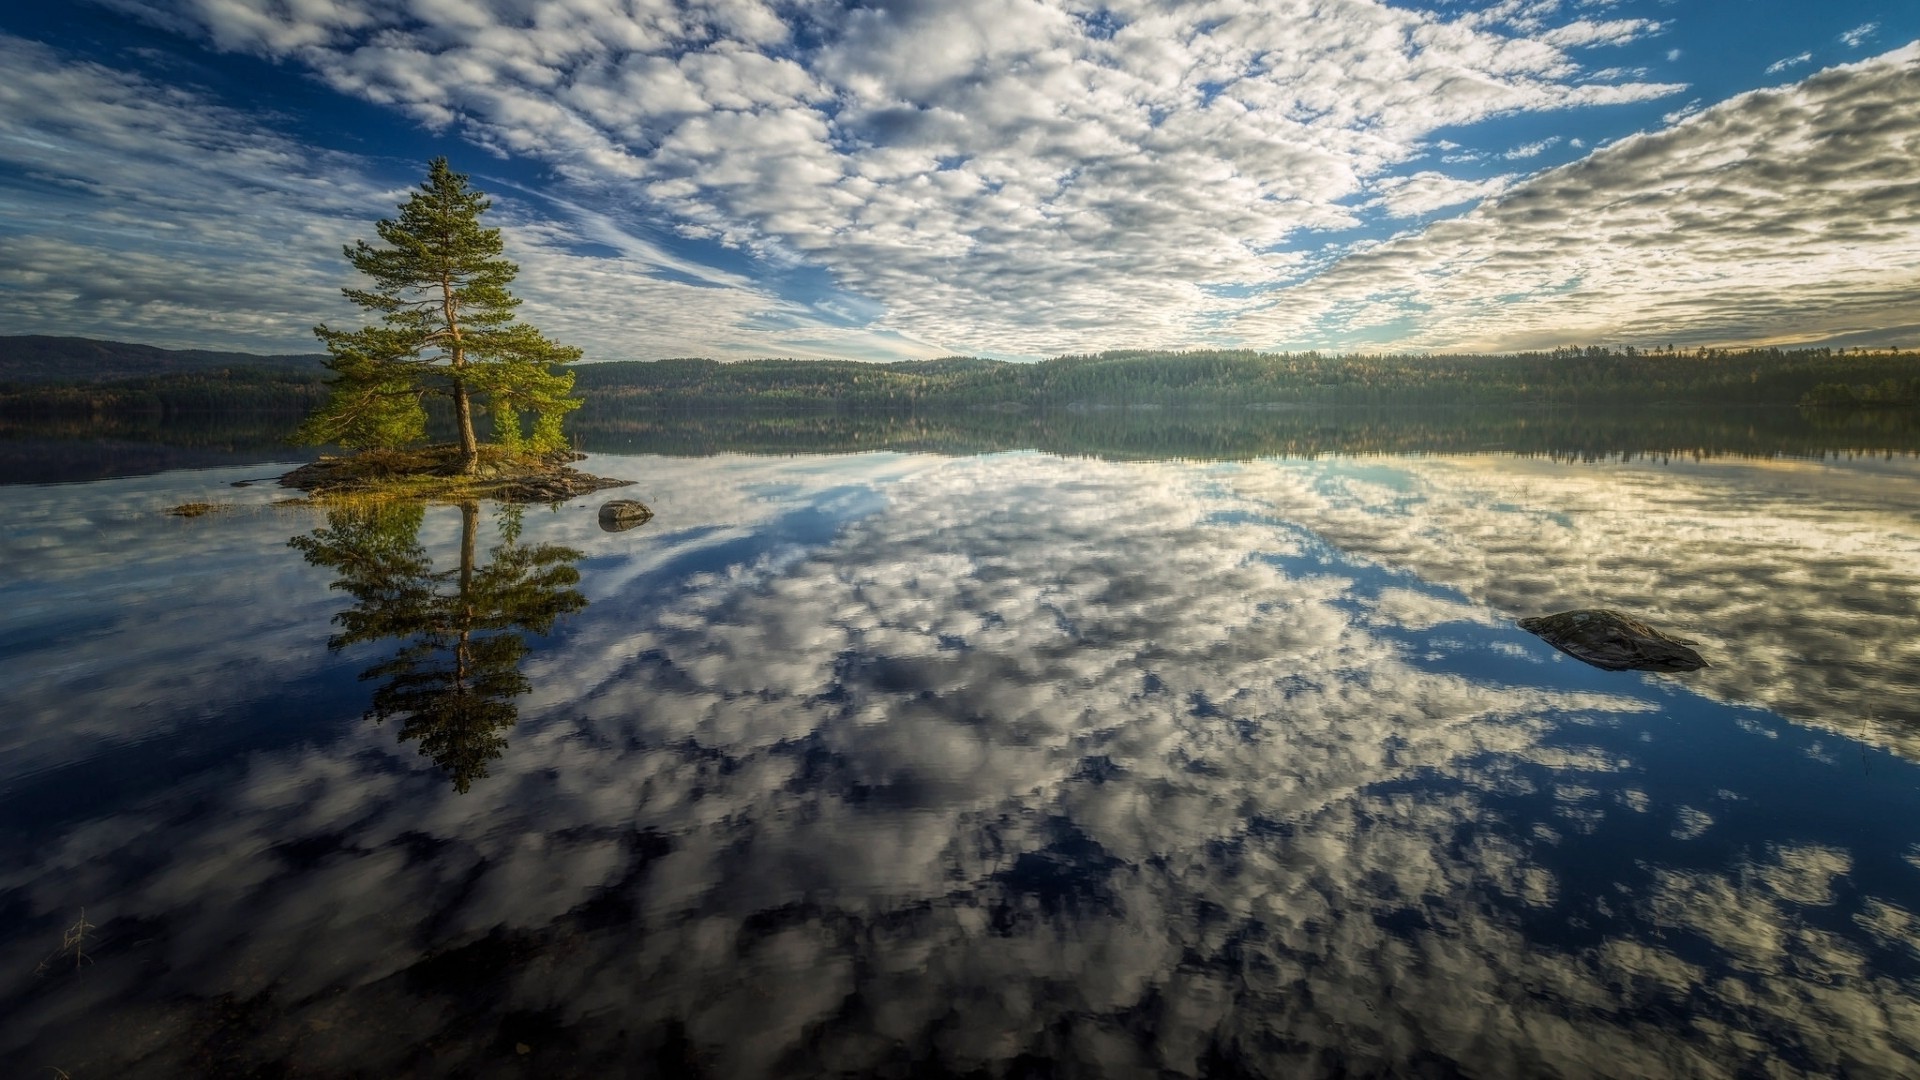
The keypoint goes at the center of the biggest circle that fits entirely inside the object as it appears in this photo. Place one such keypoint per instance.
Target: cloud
(1532, 149)
(1779, 66)
(1001, 175)
(1779, 537)
(1588, 32)
(149, 212)
(1691, 108)
(1426, 192)
(1859, 35)
(1012, 177)
(1781, 215)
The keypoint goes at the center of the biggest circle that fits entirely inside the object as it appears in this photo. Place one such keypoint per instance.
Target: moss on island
(437, 474)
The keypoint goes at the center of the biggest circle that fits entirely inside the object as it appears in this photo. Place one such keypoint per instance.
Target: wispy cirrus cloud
(1532, 149)
(1779, 66)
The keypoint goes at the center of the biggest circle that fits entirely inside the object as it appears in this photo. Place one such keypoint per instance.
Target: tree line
(1245, 377)
(1569, 377)
(1887, 393)
(45, 450)
(221, 391)
(1813, 377)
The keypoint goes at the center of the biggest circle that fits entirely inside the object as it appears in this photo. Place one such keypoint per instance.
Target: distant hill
(1589, 376)
(52, 376)
(35, 358)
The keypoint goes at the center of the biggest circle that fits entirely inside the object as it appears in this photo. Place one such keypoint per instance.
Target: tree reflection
(453, 682)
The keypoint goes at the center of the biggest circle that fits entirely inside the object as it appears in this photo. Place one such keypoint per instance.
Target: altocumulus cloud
(1027, 177)
(1002, 175)
(124, 182)
(1781, 215)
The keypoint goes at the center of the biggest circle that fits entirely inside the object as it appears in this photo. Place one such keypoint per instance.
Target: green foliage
(1884, 394)
(35, 358)
(1590, 376)
(447, 329)
(373, 401)
(191, 393)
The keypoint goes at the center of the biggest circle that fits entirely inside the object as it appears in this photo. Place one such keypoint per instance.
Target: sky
(1007, 178)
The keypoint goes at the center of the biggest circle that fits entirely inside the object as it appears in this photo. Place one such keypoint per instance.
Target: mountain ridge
(47, 358)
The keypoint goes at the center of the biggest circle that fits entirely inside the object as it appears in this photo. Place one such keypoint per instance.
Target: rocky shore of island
(436, 473)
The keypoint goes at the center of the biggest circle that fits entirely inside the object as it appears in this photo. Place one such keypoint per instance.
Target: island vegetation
(447, 332)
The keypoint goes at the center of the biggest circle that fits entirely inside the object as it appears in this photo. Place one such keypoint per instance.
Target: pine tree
(447, 330)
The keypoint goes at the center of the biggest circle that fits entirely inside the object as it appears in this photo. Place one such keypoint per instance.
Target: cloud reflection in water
(964, 764)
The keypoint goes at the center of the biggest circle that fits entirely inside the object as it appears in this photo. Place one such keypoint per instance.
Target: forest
(1886, 394)
(1216, 377)
(33, 385)
(212, 391)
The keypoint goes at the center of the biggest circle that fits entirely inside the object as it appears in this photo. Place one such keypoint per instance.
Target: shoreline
(433, 473)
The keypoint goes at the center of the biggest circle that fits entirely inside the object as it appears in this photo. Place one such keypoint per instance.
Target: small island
(439, 474)
(447, 332)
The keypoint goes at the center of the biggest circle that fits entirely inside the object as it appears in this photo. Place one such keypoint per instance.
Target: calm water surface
(1009, 765)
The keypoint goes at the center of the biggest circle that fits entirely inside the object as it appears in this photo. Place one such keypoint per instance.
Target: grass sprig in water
(73, 945)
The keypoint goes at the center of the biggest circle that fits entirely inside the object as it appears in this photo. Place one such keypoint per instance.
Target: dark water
(1006, 765)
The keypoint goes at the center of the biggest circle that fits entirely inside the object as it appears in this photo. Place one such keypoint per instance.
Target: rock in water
(623, 514)
(1617, 642)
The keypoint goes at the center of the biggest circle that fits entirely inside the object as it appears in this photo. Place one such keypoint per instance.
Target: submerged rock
(1608, 639)
(623, 514)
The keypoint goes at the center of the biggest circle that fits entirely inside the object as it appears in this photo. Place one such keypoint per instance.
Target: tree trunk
(463, 417)
(462, 403)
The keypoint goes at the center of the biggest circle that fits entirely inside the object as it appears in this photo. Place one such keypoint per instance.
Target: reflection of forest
(1211, 434)
(75, 450)
(453, 682)
(61, 450)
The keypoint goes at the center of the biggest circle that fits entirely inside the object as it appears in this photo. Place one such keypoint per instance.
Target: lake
(1013, 763)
